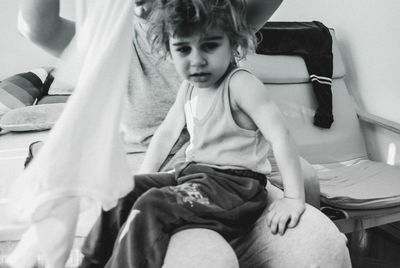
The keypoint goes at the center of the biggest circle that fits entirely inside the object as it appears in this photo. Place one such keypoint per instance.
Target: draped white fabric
(83, 157)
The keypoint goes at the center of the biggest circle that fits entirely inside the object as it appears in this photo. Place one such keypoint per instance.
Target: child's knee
(150, 200)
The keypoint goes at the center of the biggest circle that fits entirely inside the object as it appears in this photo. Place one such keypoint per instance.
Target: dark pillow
(22, 89)
(53, 99)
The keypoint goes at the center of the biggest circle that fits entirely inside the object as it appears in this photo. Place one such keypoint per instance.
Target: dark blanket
(313, 42)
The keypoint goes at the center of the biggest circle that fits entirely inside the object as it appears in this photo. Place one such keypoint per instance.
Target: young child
(233, 124)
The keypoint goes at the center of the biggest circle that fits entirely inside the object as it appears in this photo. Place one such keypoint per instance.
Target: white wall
(368, 32)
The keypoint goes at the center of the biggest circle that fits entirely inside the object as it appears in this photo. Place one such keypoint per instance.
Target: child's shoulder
(241, 73)
(242, 81)
(246, 90)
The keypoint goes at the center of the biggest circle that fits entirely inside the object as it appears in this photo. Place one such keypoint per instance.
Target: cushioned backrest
(288, 80)
(343, 141)
(288, 69)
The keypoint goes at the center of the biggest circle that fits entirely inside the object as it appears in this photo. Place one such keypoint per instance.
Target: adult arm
(259, 11)
(40, 21)
(256, 102)
(166, 135)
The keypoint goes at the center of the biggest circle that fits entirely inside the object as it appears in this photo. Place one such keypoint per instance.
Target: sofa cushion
(359, 184)
(37, 117)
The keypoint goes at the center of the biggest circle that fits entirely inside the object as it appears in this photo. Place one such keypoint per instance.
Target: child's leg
(99, 244)
(213, 201)
(143, 240)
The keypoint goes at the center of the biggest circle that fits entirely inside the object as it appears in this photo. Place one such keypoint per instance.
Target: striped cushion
(20, 90)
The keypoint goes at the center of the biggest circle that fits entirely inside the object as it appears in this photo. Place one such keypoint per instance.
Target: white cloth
(83, 155)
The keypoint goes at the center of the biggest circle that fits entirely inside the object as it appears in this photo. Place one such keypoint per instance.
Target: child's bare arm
(165, 136)
(253, 98)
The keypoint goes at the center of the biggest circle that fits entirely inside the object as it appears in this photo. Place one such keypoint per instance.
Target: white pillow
(37, 117)
(60, 87)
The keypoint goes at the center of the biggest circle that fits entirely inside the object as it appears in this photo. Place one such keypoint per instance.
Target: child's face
(202, 59)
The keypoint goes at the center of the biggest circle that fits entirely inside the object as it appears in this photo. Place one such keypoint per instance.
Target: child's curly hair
(185, 17)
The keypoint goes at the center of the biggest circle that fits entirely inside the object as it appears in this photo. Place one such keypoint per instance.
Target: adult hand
(142, 8)
(284, 213)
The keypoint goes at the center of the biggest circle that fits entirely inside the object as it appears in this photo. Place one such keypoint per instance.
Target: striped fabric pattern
(321, 79)
(19, 90)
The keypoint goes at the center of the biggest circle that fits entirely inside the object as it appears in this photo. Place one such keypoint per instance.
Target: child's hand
(284, 213)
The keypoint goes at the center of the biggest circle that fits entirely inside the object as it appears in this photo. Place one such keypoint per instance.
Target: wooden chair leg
(358, 243)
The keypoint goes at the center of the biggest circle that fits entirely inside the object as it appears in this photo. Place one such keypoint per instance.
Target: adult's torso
(152, 89)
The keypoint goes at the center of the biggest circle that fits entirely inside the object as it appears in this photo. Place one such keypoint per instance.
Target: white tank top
(217, 140)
